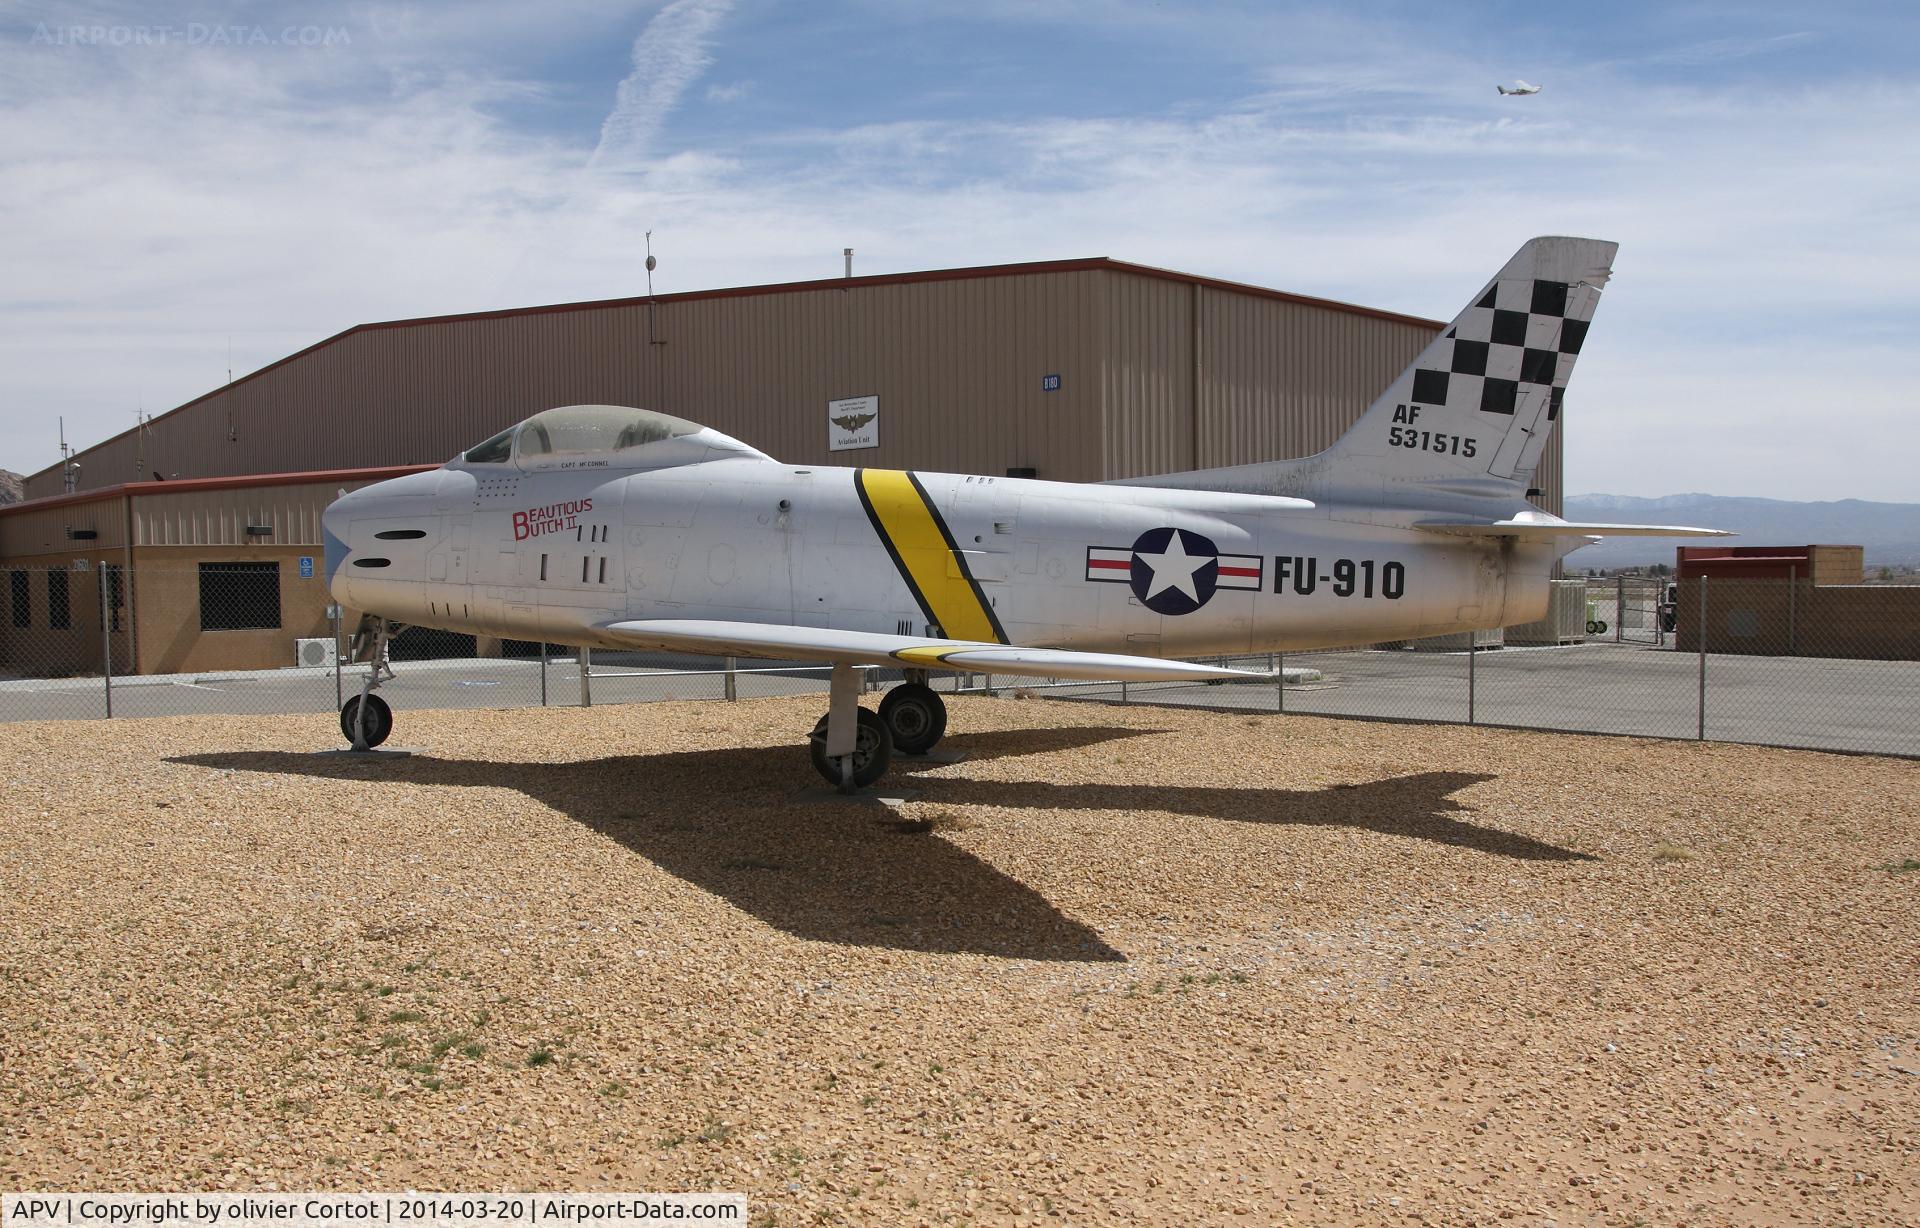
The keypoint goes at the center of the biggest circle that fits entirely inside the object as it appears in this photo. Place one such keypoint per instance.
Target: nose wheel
(377, 725)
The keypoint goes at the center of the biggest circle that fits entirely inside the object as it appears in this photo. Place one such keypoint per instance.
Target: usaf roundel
(1173, 571)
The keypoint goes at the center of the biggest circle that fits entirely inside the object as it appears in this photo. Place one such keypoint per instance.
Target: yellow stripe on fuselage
(908, 524)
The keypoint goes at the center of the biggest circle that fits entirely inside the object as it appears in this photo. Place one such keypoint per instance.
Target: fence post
(106, 639)
(1280, 677)
(1619, 608)
(733, 681)
(1702, 735)
(1123, 690)
(544, 654)
(339, 697)
(586, 676)
(1473, 655)
(1793, 594)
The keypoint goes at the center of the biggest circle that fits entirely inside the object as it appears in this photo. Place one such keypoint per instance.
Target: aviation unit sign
(853, 422)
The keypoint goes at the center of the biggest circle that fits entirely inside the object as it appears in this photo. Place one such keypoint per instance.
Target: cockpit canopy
(604, 437)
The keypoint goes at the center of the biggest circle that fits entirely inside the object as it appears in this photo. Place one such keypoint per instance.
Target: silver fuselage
(552, 556)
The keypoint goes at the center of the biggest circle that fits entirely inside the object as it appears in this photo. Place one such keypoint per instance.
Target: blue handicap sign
(306, 567)
(1049, 383)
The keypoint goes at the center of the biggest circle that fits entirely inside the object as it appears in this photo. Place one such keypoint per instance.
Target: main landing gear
(367, 719)
(852, 747)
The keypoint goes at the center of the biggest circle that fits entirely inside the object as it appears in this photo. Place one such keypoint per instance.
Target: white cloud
(152, 204)
(669, 56)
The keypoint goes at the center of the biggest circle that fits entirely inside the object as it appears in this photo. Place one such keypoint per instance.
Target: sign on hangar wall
(853, 422)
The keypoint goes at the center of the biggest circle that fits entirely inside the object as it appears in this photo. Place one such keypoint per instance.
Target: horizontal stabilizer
(914, 652)
(1544, 529)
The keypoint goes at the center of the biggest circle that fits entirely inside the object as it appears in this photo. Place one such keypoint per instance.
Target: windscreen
(495, 451)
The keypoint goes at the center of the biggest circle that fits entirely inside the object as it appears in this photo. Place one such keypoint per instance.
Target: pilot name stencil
(553, 518)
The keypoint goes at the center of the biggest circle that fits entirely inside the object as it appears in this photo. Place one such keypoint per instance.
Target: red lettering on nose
(520, 530)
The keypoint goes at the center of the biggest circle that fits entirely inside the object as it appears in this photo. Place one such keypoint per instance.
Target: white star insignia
(1174, 568)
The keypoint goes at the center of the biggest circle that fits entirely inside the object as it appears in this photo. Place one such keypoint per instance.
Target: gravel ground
(1123, 965)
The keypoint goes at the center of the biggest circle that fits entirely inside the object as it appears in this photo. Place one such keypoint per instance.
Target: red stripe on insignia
(1250, 572)
(1121, 564)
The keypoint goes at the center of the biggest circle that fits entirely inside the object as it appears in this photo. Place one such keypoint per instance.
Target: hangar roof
(181, 486)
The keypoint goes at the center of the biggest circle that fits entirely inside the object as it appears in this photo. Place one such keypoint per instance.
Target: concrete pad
(373, 752)
(933, 758)
(888, 798)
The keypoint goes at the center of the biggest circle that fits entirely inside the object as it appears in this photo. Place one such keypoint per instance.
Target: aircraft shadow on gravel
(727, 821)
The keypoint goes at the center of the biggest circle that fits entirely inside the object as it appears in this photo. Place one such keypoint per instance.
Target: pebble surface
(1118, 965)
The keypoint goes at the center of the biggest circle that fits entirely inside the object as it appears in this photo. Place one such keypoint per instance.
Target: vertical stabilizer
(1472, 414)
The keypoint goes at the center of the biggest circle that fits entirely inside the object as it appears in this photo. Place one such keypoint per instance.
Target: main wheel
(915, 716)
(379, 719)
(872, 750)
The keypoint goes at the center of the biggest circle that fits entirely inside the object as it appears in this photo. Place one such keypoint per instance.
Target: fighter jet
(1518, 89)
(624, 528)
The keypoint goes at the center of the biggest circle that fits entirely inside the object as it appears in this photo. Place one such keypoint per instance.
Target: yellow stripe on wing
(923, 550)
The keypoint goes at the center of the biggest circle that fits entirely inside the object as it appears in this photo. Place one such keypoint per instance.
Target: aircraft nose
(334, 522)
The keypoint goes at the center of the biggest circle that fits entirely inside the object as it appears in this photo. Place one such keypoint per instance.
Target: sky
(187, 190)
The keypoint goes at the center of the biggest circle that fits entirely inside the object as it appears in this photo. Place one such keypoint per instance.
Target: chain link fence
(1774, 662)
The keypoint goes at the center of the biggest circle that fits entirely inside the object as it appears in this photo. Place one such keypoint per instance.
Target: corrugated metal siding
(1285, 380)
(957, 366)
(1149, 376)
(221, 517)
(42, 532)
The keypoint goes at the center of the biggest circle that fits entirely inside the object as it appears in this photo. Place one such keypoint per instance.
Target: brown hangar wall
(1158, 371)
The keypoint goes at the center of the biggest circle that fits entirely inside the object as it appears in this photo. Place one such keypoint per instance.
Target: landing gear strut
(366, 719)
(850, 745)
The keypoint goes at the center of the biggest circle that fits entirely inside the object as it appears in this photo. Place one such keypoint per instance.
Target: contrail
(669, 54)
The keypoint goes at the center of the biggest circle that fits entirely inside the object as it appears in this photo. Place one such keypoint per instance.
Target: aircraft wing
(914, 652)
(1552, 530)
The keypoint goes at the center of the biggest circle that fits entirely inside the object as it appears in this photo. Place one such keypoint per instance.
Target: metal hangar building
(1073, 370)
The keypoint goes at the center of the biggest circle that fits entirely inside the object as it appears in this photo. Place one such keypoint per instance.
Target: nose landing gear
(367, 719)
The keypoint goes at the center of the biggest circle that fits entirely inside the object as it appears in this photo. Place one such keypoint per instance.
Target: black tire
(915, 716)
(1592, 627)
(1600, 628)
(379, 719)
(872, 751)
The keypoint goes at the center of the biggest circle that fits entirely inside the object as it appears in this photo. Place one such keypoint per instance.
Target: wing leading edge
(914, 652)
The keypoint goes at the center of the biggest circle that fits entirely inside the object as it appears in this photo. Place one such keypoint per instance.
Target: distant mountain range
(1890, 532)
(11, 490)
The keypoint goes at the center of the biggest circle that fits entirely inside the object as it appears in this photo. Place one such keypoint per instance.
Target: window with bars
(239, 596)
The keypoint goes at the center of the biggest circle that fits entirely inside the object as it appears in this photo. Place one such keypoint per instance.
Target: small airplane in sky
(622, 528)
(1518, 88)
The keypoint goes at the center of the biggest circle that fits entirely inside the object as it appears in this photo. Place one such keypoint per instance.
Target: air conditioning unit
(313, 652)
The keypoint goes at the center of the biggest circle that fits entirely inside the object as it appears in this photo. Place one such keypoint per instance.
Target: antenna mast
(652, 264)
(69, 468)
